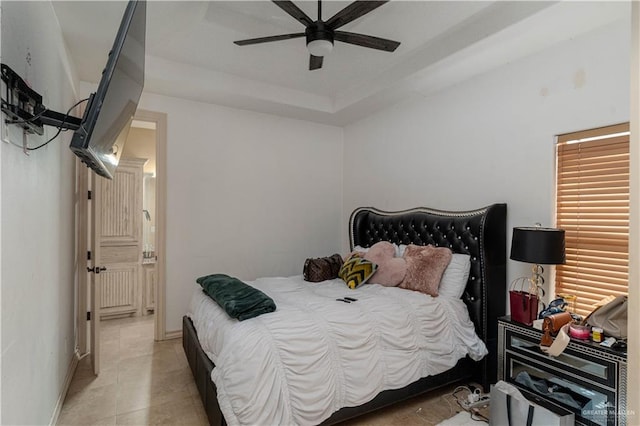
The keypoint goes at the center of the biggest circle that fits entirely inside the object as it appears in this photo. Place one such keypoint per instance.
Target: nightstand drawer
(593, 405)
(592, 368)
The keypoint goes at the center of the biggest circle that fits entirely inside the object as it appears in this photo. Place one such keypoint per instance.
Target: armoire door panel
(120, 239)
(122, 206)
(119, 289)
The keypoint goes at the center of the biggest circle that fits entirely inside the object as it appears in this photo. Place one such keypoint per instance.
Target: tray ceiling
(190, 50)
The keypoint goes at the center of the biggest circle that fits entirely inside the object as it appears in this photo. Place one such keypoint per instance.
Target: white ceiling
(190, 50)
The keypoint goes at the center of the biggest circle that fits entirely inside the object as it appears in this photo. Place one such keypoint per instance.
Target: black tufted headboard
(479, 233)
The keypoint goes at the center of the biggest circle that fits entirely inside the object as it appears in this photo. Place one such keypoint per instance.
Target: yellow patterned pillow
(357, 270)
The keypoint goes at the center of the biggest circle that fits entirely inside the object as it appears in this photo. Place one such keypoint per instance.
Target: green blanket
(238, 299)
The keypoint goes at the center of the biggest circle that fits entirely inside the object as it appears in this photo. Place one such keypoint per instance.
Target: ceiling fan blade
(366, 41)
(268, 39)
(315, 62)
(294, 11)
(352, 12)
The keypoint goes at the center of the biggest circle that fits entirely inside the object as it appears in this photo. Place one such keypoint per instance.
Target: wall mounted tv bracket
(23, 107)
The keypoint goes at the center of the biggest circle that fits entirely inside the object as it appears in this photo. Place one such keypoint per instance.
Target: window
(592, 206)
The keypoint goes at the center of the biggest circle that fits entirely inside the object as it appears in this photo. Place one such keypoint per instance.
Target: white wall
(633, 326)
(37, 228)
(490, 139)
(247, 193)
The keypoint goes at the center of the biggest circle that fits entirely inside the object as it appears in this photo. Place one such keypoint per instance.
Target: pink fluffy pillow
(425, 266)
(391, 270)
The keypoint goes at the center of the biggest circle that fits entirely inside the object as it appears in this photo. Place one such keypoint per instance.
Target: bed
(480, 233)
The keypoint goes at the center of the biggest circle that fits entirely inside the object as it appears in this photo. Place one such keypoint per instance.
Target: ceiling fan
(321, 34)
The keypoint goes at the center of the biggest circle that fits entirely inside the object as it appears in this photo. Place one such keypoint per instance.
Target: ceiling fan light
(320, 47)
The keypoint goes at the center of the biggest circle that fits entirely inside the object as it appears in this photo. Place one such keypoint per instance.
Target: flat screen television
(107, 118)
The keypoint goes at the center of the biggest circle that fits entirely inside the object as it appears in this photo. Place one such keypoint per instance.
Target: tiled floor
(426, 410)
(143, 382)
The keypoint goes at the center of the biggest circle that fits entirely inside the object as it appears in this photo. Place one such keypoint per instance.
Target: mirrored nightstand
(586, 378)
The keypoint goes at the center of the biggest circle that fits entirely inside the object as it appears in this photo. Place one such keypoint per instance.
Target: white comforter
(315, 355)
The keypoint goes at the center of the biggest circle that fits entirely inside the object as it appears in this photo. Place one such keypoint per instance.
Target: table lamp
(538, 245)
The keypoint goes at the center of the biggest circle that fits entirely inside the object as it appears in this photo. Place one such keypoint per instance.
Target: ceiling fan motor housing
(318, 31)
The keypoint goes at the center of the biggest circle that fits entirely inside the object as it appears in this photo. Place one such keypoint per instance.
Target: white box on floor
(510, 408)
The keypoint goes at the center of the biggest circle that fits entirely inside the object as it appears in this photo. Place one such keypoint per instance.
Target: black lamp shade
(543, 246)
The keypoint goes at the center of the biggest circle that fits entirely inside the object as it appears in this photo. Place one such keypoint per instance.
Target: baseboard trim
(65, 388)
(177, 334)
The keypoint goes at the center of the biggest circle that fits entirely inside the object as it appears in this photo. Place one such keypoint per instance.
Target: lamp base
(537, 280)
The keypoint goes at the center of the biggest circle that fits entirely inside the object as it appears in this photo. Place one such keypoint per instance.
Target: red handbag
(524, 304)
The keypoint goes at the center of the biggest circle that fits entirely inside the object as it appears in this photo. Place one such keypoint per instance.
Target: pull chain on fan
(321, 35)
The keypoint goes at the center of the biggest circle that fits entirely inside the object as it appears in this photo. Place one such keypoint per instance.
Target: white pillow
(455, 277)
(399, 249)
(361, 249)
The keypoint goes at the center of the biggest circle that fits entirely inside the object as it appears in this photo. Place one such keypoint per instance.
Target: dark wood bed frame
(480, 233)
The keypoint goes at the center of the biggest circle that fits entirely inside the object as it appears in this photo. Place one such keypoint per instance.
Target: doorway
(158, 223)
(127, 288)
(127, 233)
